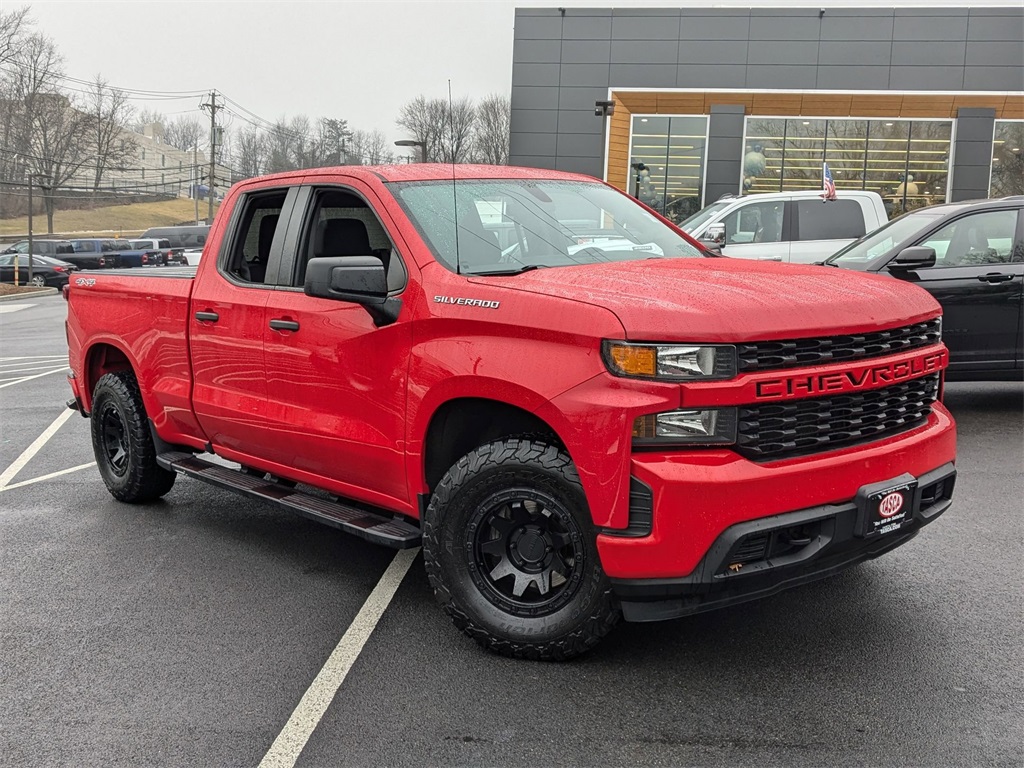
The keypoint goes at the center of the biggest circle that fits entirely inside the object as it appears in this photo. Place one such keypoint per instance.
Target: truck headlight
(706, 426)
(670, 362)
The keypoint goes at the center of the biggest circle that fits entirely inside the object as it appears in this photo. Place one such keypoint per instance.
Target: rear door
(756, 230)
(226, 328)
(978, 278)
(821, 227)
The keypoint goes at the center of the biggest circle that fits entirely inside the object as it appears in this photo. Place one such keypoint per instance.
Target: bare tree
(445, 130)
(251, 152)
(144, 117)
(60, 144)
(13, 26)
(109, 113)
(378, 151)
(493, 127)
(184, 133)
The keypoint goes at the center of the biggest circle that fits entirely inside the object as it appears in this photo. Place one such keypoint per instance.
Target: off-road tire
(122, 442)
(451, 529)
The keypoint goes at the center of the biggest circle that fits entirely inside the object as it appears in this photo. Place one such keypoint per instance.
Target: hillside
(114, 220)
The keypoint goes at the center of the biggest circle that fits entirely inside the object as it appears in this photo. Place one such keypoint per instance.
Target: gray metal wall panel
(860, 52)
(538, 27)
(793, 28)
(853, 77)
(537, 121)
(995, 28)
(591, 166)
(782, 76)
(535, 74)
(728, 52)
(587, 28)
(993, 79)
(645, 75)
(725, 152)
(972, 154)
(645, 51)
(586, 52)
(536, 51)
(646, 27)
(580, 121)
(711, 76)
(714, 28)
(857, 28)
(580, 145)
(580, 98)
(927, 54)
(933, 28)
(995, 53)
(804, 53)
(532, 143)
(575, 75)
(926, 78)
(534, 97)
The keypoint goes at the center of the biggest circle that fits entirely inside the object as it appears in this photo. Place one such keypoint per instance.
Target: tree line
(56, 131)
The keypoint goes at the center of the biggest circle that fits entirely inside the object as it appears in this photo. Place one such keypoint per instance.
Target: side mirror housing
(359, 279)
(715, 233)
(914, 257)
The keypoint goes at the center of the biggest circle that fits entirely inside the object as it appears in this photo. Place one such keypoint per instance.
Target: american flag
(827, 184)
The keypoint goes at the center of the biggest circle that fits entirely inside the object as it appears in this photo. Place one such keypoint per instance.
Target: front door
(755, 231)
(336, 382)
(979, 285)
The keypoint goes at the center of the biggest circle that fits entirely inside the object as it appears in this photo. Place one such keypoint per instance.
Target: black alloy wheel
(113, 438)
(528, 553)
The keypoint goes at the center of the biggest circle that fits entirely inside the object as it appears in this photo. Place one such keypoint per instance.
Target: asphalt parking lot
(186, 632)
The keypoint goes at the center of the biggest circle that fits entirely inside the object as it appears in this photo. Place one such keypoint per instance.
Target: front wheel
(511, 552)
(37, 281)
(122, 442)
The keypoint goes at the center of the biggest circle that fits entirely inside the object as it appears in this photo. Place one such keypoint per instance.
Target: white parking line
(50, 476)
(13, 307)
(300, 726)
(6, 383)
(26, 455)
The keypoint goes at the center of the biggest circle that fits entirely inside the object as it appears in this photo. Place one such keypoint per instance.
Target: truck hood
(731, 300)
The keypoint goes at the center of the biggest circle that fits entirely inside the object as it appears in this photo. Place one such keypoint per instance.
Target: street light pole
(414, 143)
(30, 178)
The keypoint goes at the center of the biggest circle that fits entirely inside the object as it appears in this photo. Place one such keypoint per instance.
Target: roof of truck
(443, 171)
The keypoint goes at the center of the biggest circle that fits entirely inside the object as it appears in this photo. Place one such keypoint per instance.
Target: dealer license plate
(887, 509)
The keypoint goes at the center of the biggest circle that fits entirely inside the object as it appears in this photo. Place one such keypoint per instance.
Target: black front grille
(797, 427)
(793, 353)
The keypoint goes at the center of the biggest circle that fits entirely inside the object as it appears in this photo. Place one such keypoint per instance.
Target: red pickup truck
(578, 412)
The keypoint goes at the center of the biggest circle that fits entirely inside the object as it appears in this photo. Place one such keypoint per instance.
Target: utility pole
(195, 177)
(212, 106)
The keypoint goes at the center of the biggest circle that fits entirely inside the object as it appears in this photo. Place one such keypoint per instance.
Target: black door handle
(995, 277)
(210, 317)
(284, 325)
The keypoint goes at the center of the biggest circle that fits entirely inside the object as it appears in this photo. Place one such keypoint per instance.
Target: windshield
(694, 222)
(512, 225)
(898, 232)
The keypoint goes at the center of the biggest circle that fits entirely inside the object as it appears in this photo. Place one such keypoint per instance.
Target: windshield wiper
(506, 272)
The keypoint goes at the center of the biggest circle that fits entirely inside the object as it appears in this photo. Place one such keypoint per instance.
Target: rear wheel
(38, 281)
(122, 443)
(511, 552)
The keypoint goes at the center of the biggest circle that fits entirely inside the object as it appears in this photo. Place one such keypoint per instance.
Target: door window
(344, 225)
(980, 238)
(755, 223)
(829, 220)
(250, 247)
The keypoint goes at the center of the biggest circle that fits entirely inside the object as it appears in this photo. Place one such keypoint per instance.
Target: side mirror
(914, 257)
(359, 279)
(715, 233)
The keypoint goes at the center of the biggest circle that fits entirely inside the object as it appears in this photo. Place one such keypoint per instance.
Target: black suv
(970, 257)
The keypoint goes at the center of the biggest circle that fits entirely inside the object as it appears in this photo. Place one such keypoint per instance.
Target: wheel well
(104, 359)
(461, 425)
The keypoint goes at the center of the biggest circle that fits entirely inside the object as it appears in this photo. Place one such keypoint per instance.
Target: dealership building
(683, 105)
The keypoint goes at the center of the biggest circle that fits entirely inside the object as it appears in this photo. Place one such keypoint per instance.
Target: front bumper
(762, 557)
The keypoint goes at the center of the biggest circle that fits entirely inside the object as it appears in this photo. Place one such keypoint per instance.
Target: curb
(31, 295)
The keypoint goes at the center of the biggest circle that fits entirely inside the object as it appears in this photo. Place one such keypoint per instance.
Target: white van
(799, 227)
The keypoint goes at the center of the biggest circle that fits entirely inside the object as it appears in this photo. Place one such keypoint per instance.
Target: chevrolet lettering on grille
(864, 377)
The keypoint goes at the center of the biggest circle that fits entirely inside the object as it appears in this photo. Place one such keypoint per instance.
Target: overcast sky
(348, 59)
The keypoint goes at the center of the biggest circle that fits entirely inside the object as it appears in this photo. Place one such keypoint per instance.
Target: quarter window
(829, 220)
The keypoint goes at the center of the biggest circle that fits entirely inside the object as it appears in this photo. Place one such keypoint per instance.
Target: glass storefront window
(667, 163)
(905, 161)
(1007, 159)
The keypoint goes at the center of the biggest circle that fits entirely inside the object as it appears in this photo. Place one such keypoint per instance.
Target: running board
(377, 527)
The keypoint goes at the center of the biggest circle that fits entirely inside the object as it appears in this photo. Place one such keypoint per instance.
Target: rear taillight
(145, 259)
(58, 269)
(103, 262)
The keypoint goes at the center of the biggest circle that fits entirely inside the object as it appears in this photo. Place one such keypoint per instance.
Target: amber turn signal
(633, 360)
